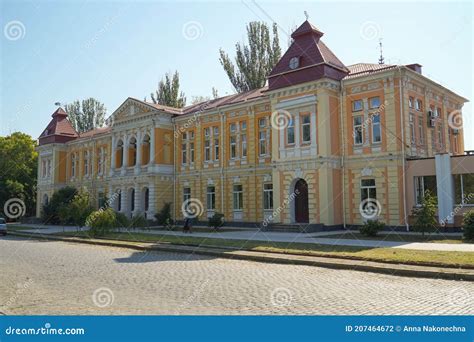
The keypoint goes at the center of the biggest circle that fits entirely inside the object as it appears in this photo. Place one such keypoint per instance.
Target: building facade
(324, 145)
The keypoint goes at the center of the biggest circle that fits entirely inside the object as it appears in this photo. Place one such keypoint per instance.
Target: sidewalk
(256, 235)
(328, 262)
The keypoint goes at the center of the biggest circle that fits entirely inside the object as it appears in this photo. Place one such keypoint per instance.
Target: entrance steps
(290, 228)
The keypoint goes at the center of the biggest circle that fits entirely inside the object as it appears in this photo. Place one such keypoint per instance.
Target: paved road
(45, 277)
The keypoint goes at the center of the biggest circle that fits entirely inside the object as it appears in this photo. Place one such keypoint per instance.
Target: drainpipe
(402, 124)
(174, 169)
(342, 157)
(222, 158)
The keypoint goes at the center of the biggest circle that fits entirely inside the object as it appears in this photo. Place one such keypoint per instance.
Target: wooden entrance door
(301, 202)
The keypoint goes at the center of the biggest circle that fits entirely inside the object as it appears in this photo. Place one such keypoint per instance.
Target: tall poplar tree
(253, 62)
(168, 93)
(86, 114)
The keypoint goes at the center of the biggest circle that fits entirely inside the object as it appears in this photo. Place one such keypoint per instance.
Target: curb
(279, 258)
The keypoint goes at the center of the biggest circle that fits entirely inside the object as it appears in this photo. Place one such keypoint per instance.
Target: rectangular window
(367, 189)
(410, 102)
(238, 201)
(207, 150)
(191, 152)
(73, 165)
(306, 128)
(233, 128)
(262, 122)
(357, 105)
(207, 132)
(412, 128)
(290, 132)
(376, 132)
(184, 136)
(186, 194)
(86, 163)
(184, 154)
(233, 147)
(267, 196)
(216, 131)
(419, 105)
(357, 130)
(243, 141)
(421, 132)
(374, 102)
(243, 125)
(262, 143)
(191, 135)
(216, 149)
(423, 184)
(211, 198)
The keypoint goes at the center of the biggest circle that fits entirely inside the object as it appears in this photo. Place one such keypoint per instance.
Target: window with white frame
(238, 199)
(357, 130)
(267, 196)
(243, 143)
(376, 131)
(374, 102)
(184, 153)
(368, 189)
(357, 105)
(464, 189)
(412, 128)
(423, 184)
(421, 131)
(48, 168)
(207, 144)
(86, 163)
(233, 147)
(186, 194)
(290, 131)
(263, 136)
(191, 152)
(216, 144)
(73, 164)
(306, 128)
(419, 105)
(211, 198)
(410, 102)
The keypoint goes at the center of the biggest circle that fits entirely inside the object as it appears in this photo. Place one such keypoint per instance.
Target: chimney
(415, 67)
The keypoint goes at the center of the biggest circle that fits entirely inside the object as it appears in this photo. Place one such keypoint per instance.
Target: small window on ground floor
(423, 184)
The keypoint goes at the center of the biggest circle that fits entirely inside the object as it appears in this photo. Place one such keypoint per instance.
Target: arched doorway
(301, 201)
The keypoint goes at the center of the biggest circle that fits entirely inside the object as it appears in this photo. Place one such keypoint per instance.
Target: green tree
(80, 208)
(425, 214)
(255, 60)
(18, 170)
(168, 93)
(86, 114)
(56, 211)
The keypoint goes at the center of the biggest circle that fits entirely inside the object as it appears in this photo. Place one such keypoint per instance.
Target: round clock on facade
(294, 62)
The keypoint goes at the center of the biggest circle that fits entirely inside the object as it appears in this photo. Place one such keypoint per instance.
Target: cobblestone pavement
(45, 277)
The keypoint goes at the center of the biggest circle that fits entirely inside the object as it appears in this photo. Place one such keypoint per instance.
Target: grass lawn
(416, 257)
(438, 238)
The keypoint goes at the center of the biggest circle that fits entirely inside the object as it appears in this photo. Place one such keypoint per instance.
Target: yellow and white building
(318, 144)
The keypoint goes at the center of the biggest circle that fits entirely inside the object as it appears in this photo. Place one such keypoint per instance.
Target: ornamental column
(112, 157)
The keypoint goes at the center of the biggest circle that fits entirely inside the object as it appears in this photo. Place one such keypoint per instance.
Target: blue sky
(67, 50)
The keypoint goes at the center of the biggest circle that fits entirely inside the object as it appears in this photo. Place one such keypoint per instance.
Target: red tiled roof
(95, 131)
(59, 129)
(363, 69)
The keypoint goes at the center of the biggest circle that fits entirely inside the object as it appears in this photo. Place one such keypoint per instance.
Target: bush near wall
(468, 226)
(101, 222)
(371, 228)
(61, 198)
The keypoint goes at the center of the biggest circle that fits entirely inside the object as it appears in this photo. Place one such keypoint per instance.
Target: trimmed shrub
(164, 216)
(216, 221)
(139, 221)
(121, 220)
(371, 228)
(101, 222)
(468, 226)
(60, 198)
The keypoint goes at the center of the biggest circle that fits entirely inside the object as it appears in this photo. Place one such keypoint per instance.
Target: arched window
(146, 150)
(132, 150)
(119, 154)
(45, 199)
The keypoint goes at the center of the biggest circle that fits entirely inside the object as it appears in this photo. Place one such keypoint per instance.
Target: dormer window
(294, 62)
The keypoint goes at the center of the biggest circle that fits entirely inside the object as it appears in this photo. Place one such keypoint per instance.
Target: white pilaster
(125, 154)
(138, 163)
(112, 157)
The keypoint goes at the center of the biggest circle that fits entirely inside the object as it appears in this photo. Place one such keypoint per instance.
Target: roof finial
(381, 59)
(306, 15)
